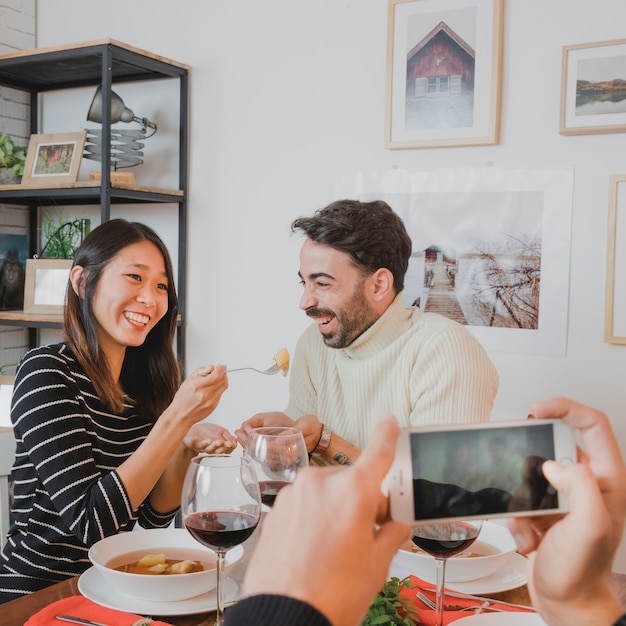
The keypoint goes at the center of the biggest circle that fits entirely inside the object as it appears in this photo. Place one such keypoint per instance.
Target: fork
(477, 608)
(489, 601)
(274, 369)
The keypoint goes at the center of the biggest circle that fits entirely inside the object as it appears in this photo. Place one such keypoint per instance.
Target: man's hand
(322, 535)
(569, 572)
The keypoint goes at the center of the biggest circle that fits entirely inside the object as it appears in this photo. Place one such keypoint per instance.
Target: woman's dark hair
(370, 232)
(150, 372)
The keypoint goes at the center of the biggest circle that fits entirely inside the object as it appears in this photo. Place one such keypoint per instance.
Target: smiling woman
(104, 429)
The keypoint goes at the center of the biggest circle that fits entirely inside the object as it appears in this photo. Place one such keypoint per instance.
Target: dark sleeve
(271, 610)
(621, 621)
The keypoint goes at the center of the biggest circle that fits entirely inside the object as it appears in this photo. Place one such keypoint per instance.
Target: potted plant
(62, 236)
(12, 160)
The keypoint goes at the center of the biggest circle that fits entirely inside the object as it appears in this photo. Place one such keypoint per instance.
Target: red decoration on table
(427, 615)
(78, 606)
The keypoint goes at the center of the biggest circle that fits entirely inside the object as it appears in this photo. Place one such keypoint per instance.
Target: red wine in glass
(443, 541)
(221, 530)
(270, 489)
(464, 536)
(220, 508)
(277, 453)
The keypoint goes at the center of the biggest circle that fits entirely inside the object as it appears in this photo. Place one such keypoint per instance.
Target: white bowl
(175, 543)
(458, 568)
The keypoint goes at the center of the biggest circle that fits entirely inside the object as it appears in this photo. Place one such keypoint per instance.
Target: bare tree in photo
(502, 283)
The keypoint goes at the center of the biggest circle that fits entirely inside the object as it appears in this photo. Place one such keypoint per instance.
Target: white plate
(504, 619)
(510, 576)
(93, 586)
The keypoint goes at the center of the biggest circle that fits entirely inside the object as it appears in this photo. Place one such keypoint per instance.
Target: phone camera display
(481, 472)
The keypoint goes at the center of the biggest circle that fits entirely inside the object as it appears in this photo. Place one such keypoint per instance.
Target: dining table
(17, 612)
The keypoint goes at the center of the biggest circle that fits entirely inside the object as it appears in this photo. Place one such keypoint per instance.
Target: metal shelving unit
(93, 63)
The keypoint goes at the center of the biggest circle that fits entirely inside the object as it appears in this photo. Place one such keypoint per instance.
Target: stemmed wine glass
(220, 507)
(443, 541)
(277, 453)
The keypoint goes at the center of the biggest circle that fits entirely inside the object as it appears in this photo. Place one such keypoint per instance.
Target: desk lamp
(125, 144)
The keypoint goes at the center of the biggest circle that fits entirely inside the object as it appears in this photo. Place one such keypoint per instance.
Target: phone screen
(481, 472)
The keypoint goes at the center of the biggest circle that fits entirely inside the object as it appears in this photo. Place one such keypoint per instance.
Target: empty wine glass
(220, 507)
(443, 541)
(277, 453)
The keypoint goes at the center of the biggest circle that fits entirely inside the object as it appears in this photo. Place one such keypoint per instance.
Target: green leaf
(389, 608)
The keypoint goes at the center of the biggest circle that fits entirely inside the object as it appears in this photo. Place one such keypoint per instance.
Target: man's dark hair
(370, 232)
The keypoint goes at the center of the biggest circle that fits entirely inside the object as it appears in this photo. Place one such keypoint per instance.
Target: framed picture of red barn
(444, 69)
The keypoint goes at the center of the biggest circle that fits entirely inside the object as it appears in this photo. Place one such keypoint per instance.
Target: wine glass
(220, 507)
(277, 453)
(443, 541)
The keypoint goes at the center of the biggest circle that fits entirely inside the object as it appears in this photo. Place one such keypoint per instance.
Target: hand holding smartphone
(478, 471)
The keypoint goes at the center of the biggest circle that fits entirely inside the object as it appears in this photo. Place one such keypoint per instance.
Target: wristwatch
(322, 444)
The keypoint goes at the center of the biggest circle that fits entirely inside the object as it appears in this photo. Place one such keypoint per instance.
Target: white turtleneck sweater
(421, 367)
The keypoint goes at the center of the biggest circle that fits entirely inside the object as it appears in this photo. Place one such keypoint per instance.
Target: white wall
(286, 94)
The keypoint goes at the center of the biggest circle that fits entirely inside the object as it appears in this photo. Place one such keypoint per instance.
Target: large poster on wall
(491, 248)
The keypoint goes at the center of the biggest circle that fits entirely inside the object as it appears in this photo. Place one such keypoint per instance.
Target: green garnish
(389, 608)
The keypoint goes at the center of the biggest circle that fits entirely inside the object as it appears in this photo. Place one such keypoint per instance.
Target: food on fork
(282, 360)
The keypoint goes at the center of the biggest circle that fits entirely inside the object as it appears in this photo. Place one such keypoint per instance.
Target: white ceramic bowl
(461, 569)
(175, 543)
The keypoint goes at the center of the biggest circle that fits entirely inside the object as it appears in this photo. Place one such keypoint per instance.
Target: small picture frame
(615, 299)
(53, 159)
(444, 73)
(45, 286)
(13, 257)
(593, 88)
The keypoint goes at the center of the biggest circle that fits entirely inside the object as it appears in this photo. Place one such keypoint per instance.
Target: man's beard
(353, 320)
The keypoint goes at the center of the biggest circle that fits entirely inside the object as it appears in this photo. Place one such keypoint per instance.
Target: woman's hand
(210, 439)
(200, 393)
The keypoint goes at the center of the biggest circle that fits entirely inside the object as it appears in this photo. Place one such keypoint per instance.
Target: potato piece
(282, 360)
(151, 559)
(182, 567)
(159, 568)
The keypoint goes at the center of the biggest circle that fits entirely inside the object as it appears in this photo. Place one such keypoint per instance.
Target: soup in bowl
(492, 550)
(162, 565)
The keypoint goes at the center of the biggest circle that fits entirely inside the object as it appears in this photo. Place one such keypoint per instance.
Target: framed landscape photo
(444, 72)
(46, 283)
(593, 88)
(615, 305)
(53, 158)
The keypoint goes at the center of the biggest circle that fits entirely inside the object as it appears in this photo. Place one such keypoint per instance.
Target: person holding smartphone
(331, 562)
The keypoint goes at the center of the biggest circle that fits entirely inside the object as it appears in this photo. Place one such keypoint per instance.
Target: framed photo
(45, 286)
(13, 256)
(6, 392)
(54, 158)
(615, 306)
(593, 88)
(444, 70)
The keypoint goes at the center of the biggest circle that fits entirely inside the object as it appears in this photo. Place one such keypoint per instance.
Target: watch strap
(324, 442)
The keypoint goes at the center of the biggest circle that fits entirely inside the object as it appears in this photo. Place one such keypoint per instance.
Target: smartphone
(478, 471)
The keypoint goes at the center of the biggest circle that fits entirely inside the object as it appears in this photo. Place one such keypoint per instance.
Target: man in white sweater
(367, 354)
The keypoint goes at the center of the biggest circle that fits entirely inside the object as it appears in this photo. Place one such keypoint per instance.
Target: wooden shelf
(33, 320)
(37, 320)
(105, 63)
(86, 192)
(81, 64)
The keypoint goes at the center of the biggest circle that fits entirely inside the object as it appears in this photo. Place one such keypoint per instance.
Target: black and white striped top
(67, 494)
